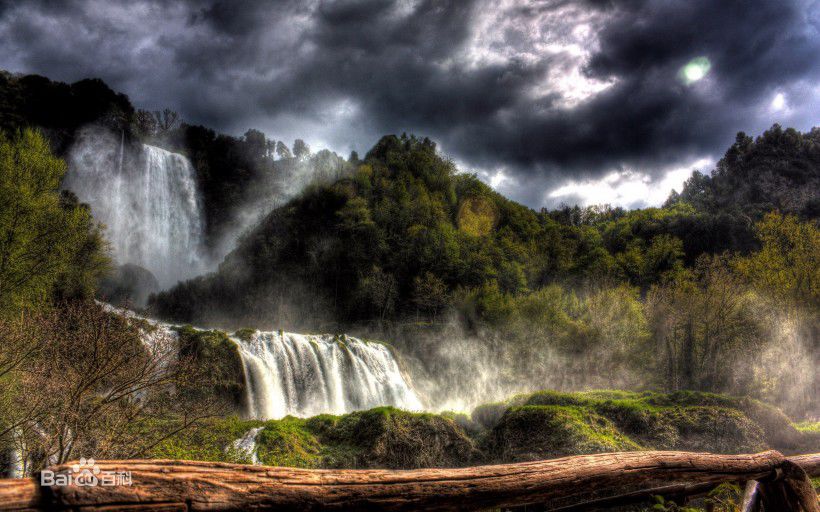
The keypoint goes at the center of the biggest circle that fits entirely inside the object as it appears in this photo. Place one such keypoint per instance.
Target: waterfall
(305, 375)
(13, 464)
(246, 445)
(148, 202)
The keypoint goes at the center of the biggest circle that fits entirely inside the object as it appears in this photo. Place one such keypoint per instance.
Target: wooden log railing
(601, 479)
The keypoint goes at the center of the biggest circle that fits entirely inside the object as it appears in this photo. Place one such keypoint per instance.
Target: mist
(147, 200)
(150, 204)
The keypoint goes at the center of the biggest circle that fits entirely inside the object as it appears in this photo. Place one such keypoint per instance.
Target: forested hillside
(479, 298)
(716, 290)
(405, 245)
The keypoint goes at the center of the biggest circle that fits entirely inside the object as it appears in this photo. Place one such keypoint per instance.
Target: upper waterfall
(148, 202)
(305, 375)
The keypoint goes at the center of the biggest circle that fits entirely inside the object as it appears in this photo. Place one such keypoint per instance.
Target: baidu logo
(84, 473)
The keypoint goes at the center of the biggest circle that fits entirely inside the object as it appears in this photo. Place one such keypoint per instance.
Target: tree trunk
(569, 481)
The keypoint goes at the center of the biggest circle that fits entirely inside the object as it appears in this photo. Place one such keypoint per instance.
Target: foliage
(780, 170)
(529, 427)
(397, 238)
(50, 247)
(787, 268)
(786, 275)
(60, 109)
(704, 326)
(404, 229)
(217, 357)
(77, 379)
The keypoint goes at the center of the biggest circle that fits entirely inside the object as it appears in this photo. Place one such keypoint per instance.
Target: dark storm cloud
(491, 81)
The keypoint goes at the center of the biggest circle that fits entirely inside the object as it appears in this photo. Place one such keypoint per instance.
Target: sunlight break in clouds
(629, 189)
(563, 37)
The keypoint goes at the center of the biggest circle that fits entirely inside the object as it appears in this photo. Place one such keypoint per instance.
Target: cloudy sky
(549, 101)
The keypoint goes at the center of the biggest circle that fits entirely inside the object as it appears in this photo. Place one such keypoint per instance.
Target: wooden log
(20, 494)
(188, 485)
(810, 463)
(789, 488)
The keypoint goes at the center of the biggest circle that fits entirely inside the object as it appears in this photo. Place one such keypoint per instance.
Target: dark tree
(300, 149)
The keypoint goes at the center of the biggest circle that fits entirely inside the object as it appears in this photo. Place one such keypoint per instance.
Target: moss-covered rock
(245, 334)
(712, 429)
(289, 442)
(533, 432)
(488, 415)
(681, 420)
(525, 427)
(778, 431)
(219, 366)
(210, 439)
(386, 437)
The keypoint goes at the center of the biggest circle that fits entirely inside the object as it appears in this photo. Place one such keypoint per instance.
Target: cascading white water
(305, 375)
(149, 204)
(246, 445)
(14, 464)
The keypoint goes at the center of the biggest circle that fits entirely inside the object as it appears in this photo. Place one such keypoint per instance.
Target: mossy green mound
(386, 437)
(533, 432)
(668, 421)
(210, 440)
(289, 442)
(525, 427)
(218, 363)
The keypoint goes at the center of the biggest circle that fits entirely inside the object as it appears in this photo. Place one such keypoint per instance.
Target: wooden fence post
(789, 488)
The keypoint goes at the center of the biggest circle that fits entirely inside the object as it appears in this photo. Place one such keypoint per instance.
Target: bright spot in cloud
(778, 102)
(497, 179)
(629, 189)
(695, 70)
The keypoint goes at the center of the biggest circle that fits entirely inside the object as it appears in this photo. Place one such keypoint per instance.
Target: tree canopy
(49, 244)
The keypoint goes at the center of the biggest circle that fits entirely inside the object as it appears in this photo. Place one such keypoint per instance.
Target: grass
(524, 427)
(808, 426)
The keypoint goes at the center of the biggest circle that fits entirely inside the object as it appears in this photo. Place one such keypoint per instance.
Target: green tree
(430, 294)
(787, 268)
(166, 120)
(786, 273)
(705, 328)
(256, 144)
(49, 244)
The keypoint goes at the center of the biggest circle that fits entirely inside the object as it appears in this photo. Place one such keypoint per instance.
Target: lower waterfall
(305, 375)
(245, 446)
